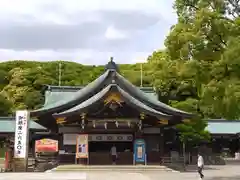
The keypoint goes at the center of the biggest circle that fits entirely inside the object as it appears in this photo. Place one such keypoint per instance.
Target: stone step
(111, 168)
(115, 170)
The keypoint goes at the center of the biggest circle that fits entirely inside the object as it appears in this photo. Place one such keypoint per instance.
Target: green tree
(205, 42)
(196, 72)
(22, 82)
(33, 100)
(193, 132)
(5, 106)
(203, 29)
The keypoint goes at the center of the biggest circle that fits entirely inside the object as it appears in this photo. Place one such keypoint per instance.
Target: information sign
(82, 146)
(139, 151)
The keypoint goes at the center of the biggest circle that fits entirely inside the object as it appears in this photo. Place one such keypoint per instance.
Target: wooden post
(6, 159)
(161, 146)
(184, 155)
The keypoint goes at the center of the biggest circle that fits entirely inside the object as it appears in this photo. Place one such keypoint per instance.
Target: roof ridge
(130, 100)
(110, 76)
(81, 94)
(49, 87)
(160, 106)
(87, 102)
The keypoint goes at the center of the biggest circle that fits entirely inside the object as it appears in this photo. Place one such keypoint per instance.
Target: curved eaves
(137, 93)
(131, 101)
(86, 104)
(80, 96)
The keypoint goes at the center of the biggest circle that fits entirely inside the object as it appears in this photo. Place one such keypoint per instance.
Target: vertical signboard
(21, 138)
(82, 146)
(139, 151)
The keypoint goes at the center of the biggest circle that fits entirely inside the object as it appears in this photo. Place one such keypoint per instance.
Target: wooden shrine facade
(111, 110)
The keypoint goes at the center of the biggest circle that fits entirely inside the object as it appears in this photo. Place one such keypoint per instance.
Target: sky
(84, 31)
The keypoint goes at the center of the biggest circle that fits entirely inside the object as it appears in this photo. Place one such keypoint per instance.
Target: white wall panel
(70, 139)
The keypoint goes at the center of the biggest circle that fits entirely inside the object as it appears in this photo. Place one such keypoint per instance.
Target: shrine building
(111, 110)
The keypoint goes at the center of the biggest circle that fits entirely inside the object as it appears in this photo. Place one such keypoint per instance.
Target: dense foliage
(199, 69)
(22, 81)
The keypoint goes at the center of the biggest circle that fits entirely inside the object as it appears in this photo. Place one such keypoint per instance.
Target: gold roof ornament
(113, 97)
(142, 116)
(60, 120)
(165, 122)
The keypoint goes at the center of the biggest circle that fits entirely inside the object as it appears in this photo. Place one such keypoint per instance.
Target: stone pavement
(1, 162)
(108, 176)
(212, 173)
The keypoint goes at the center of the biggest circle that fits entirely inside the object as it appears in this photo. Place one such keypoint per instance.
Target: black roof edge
(127, 98)
(55, 87)
(88, 102)
(83, 94)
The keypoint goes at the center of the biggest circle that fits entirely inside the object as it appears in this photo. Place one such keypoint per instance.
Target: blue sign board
(139, 151)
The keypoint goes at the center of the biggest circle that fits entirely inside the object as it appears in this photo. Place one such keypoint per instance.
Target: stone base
(20, 165)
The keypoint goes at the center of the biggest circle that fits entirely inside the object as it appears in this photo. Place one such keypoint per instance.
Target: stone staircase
(116, 168)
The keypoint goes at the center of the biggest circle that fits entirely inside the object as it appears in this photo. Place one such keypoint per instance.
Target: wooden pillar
(139, 131)
(161, 142)
(138, 134)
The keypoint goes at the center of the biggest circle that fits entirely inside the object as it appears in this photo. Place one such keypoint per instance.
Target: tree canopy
(22, 81)
(199, 69)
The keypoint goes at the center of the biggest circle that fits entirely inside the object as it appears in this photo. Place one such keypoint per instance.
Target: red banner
(46, 145)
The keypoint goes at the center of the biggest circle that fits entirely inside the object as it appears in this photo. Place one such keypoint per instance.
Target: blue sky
(84, 31)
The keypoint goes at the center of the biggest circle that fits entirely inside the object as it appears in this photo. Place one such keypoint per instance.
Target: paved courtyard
(229, 172)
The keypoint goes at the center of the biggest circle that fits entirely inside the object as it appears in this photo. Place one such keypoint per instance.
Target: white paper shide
(21, 134)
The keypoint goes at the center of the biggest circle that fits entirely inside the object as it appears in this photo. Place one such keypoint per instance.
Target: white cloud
(84, 31)
(113, 34)
(87, 57)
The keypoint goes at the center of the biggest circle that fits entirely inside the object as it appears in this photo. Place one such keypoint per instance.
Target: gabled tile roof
(8, 124)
